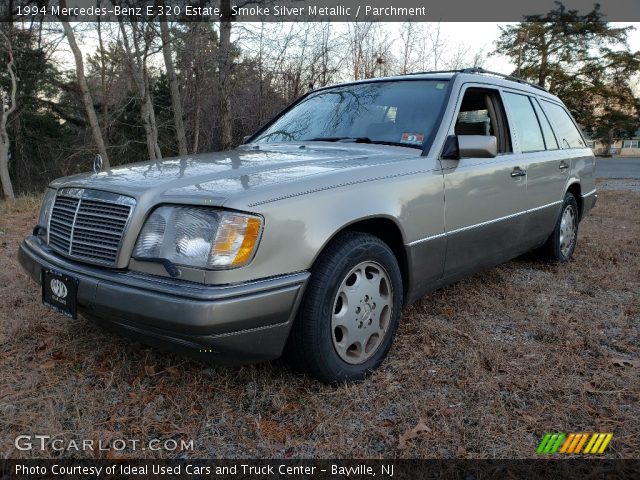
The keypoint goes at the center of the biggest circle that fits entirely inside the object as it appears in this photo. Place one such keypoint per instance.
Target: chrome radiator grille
(89, 224)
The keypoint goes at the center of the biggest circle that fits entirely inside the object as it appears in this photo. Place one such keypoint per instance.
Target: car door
(484, 197)
(578, 155)
(547, 165)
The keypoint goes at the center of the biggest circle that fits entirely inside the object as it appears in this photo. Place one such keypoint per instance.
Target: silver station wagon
(308, 240)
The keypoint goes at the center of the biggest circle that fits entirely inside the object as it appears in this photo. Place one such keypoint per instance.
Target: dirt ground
(481, 369)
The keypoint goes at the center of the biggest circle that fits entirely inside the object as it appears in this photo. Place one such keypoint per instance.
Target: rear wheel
(562, 242)
(350, 313)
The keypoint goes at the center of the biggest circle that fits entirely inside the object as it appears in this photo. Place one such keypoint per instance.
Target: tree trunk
(151, 113)
(148, 118)
(544, 62)
(196, 119)
(140, 78)
(86, 95)
(103, 78)
(610, 140)
(176, 102)
(261, 75)
(5, 179)
(5, 111)
(226, 138)
(196, 89)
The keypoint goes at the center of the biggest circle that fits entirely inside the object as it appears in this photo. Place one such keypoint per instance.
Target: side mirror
(470, 146)
(245, 138)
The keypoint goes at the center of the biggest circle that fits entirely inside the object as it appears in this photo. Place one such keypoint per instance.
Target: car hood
(217, 176)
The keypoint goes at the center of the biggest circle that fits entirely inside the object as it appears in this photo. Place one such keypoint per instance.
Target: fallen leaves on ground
(412, 433)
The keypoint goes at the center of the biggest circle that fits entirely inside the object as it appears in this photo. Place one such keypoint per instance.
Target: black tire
(556, 248)
(311, 347)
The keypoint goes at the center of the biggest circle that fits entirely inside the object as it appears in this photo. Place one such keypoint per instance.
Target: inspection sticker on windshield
(412, 138)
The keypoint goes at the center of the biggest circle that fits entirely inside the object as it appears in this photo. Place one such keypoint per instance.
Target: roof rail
(485, 72)
(433, 71)
(502, 75)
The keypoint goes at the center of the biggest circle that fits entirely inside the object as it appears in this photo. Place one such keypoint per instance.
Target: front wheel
(350, 312)
(562, 242)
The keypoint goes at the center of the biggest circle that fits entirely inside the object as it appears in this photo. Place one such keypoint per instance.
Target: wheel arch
(387, 229)
(576, 190)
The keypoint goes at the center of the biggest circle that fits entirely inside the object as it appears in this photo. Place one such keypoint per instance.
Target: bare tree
(408, 38)
(326, 69)
(371, 52)
(438, 45)
(103, 75)
(85, 94)
(323, 60)
(8, 107)
(224, 61)
(195, 37)
(358, 32)
(176, 101)
(458, 57)
(260, 62)
(462, 56)
(138, 65)
(478, 59)
(295, 64)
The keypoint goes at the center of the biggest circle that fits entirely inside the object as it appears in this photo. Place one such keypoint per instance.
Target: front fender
(297, 228)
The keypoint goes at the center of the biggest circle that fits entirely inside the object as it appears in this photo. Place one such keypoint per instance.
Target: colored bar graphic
(572, 443)
(567, 443)
(559, 441)
(596, 446)
(551, 443)
(605, 442)
(592, 440)
(581, 443)
(543, 443)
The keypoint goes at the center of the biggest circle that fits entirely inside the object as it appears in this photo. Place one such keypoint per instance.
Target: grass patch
(22, 204)
(481, 369)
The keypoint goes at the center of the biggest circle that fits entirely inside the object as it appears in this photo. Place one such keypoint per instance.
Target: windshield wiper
(361, 140)
(342, 139)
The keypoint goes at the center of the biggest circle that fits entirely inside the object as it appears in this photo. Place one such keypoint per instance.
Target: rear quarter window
(526, 126)
(568, 134)
(549, 137)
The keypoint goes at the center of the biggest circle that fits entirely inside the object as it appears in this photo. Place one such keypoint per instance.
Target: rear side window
(549, 137)
(525, 122)
(568, 135)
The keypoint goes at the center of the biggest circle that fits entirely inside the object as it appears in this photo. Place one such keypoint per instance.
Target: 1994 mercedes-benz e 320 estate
(310, 238)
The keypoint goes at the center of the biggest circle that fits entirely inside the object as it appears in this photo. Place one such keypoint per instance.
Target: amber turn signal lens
(236, 240)
(251, 234)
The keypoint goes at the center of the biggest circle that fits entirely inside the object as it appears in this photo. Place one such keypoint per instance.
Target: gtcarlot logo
(48, 443)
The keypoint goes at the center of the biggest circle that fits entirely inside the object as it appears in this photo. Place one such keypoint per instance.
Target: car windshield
(401, 112)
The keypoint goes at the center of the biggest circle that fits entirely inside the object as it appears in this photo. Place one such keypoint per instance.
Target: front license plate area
(60, 292)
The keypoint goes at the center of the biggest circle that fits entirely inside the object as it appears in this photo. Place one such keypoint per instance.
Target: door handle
(563, 165)
(518, 172)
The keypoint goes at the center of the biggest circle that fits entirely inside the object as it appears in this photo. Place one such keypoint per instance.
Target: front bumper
(233, 324)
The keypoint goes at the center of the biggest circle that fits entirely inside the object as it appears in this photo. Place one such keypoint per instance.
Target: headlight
(199, 237)
(45, 212)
